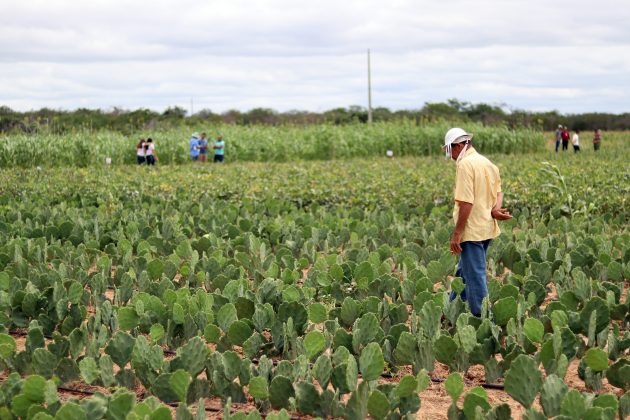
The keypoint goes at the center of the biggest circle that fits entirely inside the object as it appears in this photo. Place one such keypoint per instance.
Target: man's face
(456, 149)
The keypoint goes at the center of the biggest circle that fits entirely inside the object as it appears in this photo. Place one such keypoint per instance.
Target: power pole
(369, 88)
(191, 106)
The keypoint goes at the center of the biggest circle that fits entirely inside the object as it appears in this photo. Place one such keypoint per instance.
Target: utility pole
(369, 88)
(191, 106)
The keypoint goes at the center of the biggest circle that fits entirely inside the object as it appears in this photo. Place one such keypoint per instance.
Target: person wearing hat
(194, 146)
(478, 201)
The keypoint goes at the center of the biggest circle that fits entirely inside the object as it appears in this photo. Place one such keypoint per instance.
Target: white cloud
(296, 54)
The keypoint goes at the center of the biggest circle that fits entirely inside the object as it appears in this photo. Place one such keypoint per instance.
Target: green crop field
(256, 143)
(309, 287)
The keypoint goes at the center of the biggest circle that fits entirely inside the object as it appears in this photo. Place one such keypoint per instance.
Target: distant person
(194, 147)
(565, 138)
(597, 139)
(150, 153)
(203, 148)
(576, 141)
(219, 149)
(558, 137)
(140, 155)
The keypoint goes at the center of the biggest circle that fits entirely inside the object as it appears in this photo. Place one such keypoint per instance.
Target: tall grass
(260, 143)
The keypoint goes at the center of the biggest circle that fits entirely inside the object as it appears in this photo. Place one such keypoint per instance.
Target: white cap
(453, 136)
(456, 135)
(195, 135)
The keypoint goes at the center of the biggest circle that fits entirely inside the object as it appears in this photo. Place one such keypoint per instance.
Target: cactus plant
(280, 390)
(454, 386)
(523, 380)
(314, 344)
(476, 398)
(322, 369)
(371, 362)
(378, 405)
(573, 404)
(551, 395)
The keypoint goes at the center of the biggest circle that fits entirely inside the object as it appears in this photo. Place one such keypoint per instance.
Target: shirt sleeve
(465, 184)
(498, 178)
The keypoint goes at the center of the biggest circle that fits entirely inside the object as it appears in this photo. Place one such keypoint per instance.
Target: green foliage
(179, 381)
(120, 348)
(371, 362)
(596, 359)
(258, 388)
(314, 344)
(523, 380)
(322, 370)
(71, 411)
(552, 394)
(504, 309)
(475, 400)
(327, 269)
(277, 143)
(378, 404)
(280, 390)
(317, 313)
(193, 356)
(534, 330)
(454, 386)
(34, 388)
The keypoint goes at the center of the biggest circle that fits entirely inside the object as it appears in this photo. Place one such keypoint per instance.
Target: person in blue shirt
(219, 149)
(194, 146)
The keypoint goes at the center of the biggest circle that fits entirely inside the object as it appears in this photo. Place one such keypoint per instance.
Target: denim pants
(472, 269)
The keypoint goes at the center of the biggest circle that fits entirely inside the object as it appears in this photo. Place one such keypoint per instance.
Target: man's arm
(462, 217)
(498, 212)
(499, 203)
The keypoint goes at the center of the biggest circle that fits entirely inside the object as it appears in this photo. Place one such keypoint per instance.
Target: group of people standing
(199, 149)
(145, 152)
(199, 146)
(563, 136)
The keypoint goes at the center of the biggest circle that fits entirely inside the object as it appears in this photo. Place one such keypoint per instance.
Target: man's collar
(470, 151)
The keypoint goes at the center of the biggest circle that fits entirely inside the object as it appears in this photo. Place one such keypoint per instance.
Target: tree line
(130, 121)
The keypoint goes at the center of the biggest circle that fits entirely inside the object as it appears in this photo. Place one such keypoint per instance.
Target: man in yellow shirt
(478, 200)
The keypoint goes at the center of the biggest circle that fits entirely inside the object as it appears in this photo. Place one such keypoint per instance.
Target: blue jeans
(472, 269)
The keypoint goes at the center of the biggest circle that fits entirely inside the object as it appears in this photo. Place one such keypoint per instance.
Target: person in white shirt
(576, 141)
(140, 155)
(150, 153)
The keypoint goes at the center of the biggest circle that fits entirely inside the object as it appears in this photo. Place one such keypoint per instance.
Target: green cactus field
(311, 288)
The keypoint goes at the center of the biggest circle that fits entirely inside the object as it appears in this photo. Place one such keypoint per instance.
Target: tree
(174, 112)
(439, 111)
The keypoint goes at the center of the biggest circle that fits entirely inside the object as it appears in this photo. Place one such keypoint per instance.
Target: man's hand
(501, 214)
(456, 239)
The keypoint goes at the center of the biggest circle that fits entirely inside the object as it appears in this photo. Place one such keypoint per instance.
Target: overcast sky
(571, 56)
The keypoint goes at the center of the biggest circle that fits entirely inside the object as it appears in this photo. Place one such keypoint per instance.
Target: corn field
(259, 143)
